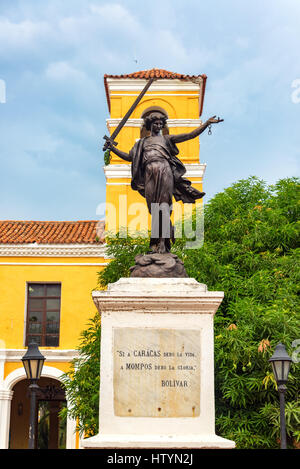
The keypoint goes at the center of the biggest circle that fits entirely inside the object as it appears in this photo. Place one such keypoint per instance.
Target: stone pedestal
(157, 365)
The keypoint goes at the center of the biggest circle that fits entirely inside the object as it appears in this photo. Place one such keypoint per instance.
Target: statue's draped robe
(157, 174)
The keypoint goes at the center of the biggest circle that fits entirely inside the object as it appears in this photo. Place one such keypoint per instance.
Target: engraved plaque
(156, 372)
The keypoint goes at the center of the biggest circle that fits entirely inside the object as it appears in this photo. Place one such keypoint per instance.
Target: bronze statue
(157, 174)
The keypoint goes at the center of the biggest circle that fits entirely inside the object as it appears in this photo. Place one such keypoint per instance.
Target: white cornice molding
(156, 94)
(52, 250)
(195, 170)
(60, 264)
(157, 296)
(170, 122)
(206, 304)
(51, 355)
(123, 84)
(116, 171)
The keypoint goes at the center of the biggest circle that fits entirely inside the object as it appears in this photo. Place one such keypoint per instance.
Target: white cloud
(23, 34)
(56, 54)
(279, 164)
(116, 14)
(64, 71)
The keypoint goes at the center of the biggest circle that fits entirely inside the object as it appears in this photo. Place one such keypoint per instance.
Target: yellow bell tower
(180, 98)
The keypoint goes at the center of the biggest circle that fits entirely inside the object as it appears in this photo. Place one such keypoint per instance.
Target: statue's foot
(162, 247)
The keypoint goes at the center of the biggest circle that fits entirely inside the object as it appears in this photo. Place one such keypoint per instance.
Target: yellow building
(47, 273)
(48, 269)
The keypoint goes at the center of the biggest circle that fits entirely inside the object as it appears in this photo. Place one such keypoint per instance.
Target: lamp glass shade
(26, 365)
(281, 363)
(281, 370)
(33, 362)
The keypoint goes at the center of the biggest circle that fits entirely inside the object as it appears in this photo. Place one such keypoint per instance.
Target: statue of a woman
(157, 174)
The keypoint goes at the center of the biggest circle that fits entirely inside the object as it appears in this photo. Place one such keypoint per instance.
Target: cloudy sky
(53, 56)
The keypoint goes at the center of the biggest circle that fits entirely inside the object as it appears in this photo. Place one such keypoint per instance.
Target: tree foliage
(251, 252)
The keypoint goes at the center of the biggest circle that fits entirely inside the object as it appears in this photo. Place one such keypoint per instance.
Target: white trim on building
(116, 171)
(52, 250)
(136, 84)
(139, 122)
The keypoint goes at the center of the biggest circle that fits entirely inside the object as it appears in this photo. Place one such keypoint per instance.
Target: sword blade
(128, 113)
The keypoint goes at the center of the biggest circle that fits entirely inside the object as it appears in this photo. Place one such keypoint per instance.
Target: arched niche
(155, 102)
(152, 109)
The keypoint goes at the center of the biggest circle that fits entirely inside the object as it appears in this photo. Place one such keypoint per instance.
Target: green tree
(251, 252)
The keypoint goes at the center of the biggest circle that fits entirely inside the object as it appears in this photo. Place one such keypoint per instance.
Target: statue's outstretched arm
(121, 154)
(188, 136)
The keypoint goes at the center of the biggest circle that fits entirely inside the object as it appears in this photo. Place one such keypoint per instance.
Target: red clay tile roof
(51, 232)
(158, 73)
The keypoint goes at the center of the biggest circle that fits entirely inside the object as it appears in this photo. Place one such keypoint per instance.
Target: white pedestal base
(157, 365)
(157, 441)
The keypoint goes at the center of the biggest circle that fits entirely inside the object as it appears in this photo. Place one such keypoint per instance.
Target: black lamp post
(33, 362)
(281, 363)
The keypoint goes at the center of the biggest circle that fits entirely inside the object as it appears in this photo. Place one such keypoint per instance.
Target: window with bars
(43, 313)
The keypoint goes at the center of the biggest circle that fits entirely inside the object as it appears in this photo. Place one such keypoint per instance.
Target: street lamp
(33, 362)
(281, 363)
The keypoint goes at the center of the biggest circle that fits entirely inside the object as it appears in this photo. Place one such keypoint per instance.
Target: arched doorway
(51, 428)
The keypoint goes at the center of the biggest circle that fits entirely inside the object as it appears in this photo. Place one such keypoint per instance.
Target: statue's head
(154, 116)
